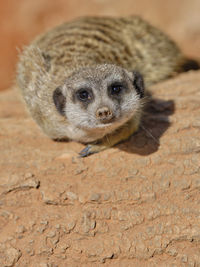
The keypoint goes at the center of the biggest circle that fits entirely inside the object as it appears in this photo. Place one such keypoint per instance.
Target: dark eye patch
(84, 95)
(116, 89)
(59, 100)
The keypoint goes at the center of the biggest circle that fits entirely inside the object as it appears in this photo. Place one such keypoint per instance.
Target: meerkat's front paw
(110, 140)
(91, 149)
(85, 152)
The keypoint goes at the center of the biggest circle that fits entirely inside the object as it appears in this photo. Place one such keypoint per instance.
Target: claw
(86, 152)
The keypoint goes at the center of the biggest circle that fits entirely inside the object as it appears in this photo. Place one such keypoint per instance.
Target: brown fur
(130, 43)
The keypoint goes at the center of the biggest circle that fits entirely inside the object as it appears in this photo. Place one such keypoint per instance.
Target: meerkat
(84, 80)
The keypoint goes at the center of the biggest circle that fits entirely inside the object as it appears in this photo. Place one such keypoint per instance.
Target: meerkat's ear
(59, 100)
(138, 83)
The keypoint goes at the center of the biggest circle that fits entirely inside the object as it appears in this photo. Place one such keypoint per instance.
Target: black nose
(104, 114)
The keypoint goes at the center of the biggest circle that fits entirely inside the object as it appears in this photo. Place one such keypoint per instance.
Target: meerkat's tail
(189, 64)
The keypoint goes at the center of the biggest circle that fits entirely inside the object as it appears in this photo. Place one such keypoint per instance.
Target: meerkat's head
(100, 97)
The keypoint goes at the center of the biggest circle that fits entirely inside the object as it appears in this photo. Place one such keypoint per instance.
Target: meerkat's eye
(116, 88)
(83, 95)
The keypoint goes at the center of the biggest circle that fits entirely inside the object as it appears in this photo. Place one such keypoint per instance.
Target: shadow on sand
(155, 122)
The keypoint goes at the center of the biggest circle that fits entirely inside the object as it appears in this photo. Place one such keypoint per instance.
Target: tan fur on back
(129, 42)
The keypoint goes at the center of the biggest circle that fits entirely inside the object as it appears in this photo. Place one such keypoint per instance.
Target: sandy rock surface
(137, 204)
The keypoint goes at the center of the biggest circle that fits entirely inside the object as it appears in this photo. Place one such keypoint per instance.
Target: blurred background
(22, 20)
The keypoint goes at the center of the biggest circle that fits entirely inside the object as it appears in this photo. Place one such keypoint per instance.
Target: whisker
(150, 134)
(108, 140)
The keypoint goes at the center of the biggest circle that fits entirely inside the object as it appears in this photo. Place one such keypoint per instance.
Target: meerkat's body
(93, 48)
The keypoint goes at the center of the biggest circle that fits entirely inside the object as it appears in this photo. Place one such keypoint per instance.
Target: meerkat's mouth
(107, 123)
(114, 123)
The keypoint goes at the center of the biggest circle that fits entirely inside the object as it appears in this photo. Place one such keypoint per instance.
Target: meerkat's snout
(104, 114)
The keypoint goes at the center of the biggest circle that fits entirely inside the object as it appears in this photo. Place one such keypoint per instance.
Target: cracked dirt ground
(137, 204)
